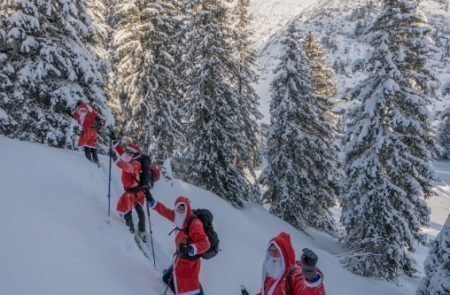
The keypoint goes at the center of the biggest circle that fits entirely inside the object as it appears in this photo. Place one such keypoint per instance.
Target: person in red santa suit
(282, 275)
(90, 120)
(190, 241)
(127, 159)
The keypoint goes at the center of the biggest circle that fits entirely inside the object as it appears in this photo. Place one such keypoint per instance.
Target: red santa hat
(133, 148)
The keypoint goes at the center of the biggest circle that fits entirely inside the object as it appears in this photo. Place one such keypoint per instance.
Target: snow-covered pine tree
(323, 81)
(212, 104)
(50, 66)
(437, 265)
(7, 124)
(444, 134)
(168, 132)
(98, 13)
(144, 63)
(298, 154)
(244, 77)
(389, 147)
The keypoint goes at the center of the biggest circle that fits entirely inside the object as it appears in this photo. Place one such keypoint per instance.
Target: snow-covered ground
(55, 238)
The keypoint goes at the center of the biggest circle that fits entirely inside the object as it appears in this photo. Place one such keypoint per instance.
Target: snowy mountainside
(338, 25)
(271, 16)
(55, 239)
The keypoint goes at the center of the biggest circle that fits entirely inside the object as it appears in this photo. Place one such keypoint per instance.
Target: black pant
(91, 154)
(168, 279)
(141, 215)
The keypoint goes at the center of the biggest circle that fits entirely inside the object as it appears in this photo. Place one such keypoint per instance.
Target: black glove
(113, 155)
(309, 261)
(148, 194)
(182, 249)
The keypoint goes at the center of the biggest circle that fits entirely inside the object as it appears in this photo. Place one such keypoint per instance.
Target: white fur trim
(174, 276)
(154, 205)
(129, 148)
(315, 284)
(82, 146)
(195, 250)
(190, 292)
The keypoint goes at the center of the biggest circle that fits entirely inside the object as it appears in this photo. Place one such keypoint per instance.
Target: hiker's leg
(141, 216)
(94, 155)
(129, 221)
(87, 153)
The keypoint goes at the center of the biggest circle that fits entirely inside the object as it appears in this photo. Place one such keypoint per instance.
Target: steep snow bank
(55, 239)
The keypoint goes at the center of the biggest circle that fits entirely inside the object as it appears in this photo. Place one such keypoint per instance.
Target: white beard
(179, 219)
(274, 268)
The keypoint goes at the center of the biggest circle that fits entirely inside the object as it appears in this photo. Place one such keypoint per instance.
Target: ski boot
(142, 235)
(130, 225)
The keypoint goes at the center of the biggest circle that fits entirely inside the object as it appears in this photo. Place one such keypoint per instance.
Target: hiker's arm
(130, 167)
(301, 286)
(200, 242)
(163, 210)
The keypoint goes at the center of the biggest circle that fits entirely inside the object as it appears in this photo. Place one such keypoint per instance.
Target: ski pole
(171, 275)
(109, 181)
(151, 233)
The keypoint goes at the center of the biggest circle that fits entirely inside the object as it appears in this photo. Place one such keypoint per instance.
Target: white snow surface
(55, 238)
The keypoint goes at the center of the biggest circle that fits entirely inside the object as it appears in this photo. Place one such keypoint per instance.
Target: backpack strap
(190, 220)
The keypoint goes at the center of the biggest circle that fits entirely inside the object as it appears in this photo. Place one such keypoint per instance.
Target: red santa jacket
(186, 271)
(131, 169)
(86, 116)
(292, 282)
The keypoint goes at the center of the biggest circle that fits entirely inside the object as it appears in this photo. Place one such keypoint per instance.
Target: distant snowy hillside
(55, 239)
(338, 24)
(271, 16)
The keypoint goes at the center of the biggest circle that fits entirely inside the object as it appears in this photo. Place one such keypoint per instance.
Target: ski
(144, 247)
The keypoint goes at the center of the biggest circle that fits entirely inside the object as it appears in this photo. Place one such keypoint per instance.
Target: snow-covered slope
(271, 16)
(55, 239)
(334, 23)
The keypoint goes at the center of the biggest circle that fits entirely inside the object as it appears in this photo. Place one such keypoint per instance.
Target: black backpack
(206, 218)
(146, 175)
(98, 123)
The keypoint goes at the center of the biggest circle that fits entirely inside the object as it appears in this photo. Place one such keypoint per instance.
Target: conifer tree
(244, 77)
(389, 147)
(437, 265)
(298, 159)
(212, 104)
(322, 75)
(444, 134)
(144, 63)
(46, 49)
